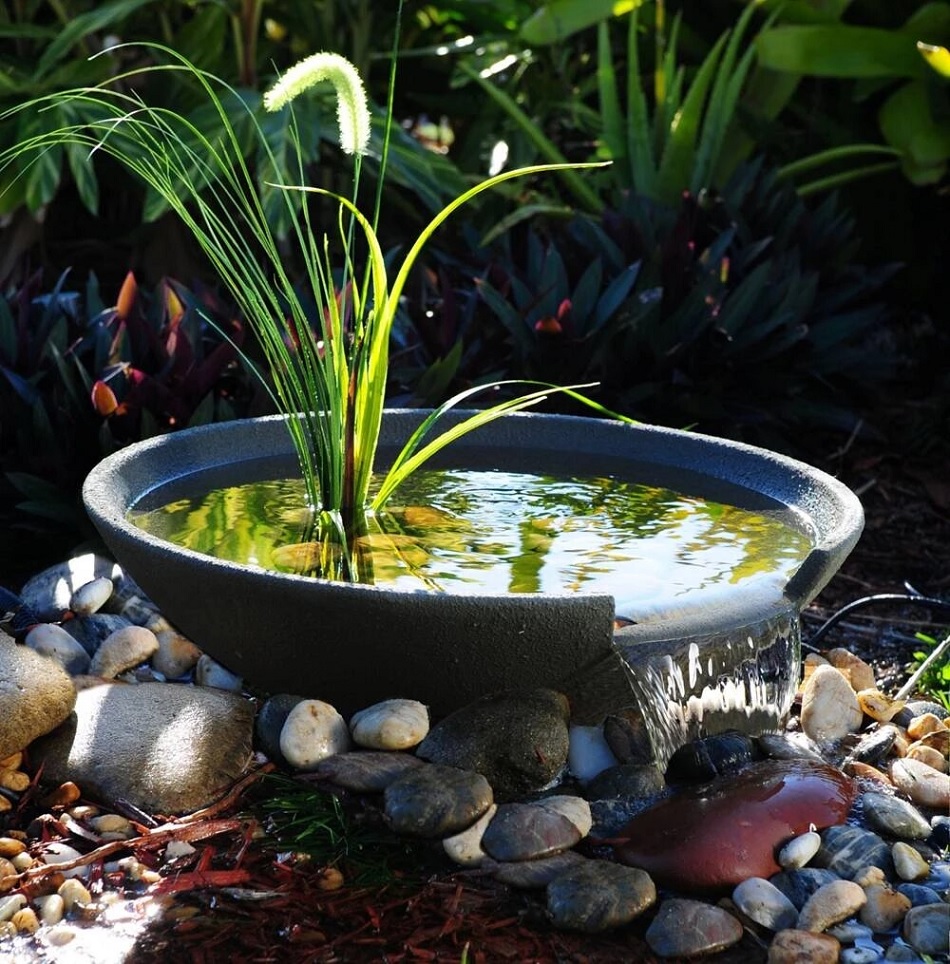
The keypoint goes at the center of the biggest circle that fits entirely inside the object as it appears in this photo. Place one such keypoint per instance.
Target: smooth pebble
(799, 850)
(891, 815)
(313, 731)
(798, 947)
(209, 672)
(122, 650)
(688, 928)
(390, 725)
(829, 904)
(908, 863)
(465, 848)
(764, 903)
(90, 597)
(927, 929)
(588, 752)
(55, 643)
(830, 709)
(923, 784)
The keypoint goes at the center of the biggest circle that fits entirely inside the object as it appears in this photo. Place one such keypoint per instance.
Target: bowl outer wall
(355, 644)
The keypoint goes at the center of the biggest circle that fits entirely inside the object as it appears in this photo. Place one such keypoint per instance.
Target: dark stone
(875, 746)
(532, 874)
(919, 894)
(919, 708)
(436, 801)
(845, 850)
(598, 895)
(799, 885)
(90, 631)
(527, 831)
(940, 832)
(689, 928)
(364, 771)
(628, 781)
(270, 721)
(709, 757)
(517, 741)
(626, 735)
(713, 836)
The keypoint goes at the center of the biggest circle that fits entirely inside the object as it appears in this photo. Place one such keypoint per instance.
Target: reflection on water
(501, 532)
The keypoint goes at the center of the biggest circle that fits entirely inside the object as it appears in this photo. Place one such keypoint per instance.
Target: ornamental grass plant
(328, 378)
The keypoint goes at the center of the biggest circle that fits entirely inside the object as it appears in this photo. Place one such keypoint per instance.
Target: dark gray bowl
(354, 644)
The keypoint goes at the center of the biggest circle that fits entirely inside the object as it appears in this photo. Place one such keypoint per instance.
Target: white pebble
(465, 848)
(211, 673)
(60, 853)
(799, 850)
(178, 848)
(112, 823)
(574, 809)
(764, 903)
(91, 596)
(390, 725)
(10, 905)
(312, 731)
(51, 908)
(55, 643)
(122, 650)
(588, 752)
(830, 708)
(60, 935)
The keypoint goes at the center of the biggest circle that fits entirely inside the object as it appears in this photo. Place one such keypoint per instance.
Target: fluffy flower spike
(351, 102)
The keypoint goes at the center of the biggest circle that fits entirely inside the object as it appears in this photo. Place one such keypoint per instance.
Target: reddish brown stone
(714, 836)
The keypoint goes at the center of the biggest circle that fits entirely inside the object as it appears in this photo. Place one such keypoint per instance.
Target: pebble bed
(508, 785)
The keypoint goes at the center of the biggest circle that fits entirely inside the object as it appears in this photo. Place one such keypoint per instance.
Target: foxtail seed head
(351, 102)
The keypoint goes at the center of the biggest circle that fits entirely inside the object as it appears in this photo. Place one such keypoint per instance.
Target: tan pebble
(5, 804)
(809, 664)
(938, 740)
(122, 650)
(12, 762)
(23, 861)
(26, 921)
(7, 929)
(830, 709)
(330, 878)
(885, 908)
(925, 723)
(176, 654)
(864, 771)
(869, 876)
(73, 891)
(15, 780)
(908, 862)
(923, 784)
(878, 705)
(8, 875)
(803, 947)
(927, 754)
(63, 795)
(901, 742)
(10, 846)
(831, 903)
(465, 848)
(84, 812)
(856, 671)
(112, 823)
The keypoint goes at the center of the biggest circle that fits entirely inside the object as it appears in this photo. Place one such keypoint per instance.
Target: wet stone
(862, 954)
(799, 850)
(609, 817)
(365, 771)
(597, 895)
(830, 708)
(919, 708)
(891, 815)
(761, 901)
(534, 874)
(788, 746)
(799, 885)
(908, 863)
(885, 908)
(927, 929)
(436, 801)
(628, 781)
(939, 831)
(845, 850)
(923, 784)
(689, 928)
(626, 734)
(527, 831)
(706, 758)
(874, 746)
(518, 741)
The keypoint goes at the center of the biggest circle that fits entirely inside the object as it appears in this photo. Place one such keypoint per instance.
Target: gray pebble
(927, 928)
(845, 850)
(90, 631)
(55, 643)
(892, 815)
(365, 771)
(270, 721)
(689, 928)
(533, 874)
(919, 894)
(527, 831)
(764, 903)
(209, 672)
(597, 895)
(122, 650)
(799, 885)
(628, 781)
(436, 801)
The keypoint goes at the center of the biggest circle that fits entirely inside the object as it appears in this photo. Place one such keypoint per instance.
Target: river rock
(908, 863)
(803, 947)
(892, 815)
(919, 894)
(588, 752)
(271, 718)
(830, 904)
(50, 592)
(312, 731)
(846, 850)
(761, 901)
(365, 771)
(527, 831)
(465, 848)
(854, 669)
(90, 597)
(517, 741)
(627, 781)
(176, 656)
(390, 725)
(714, 836)
(923, 784)
(628, 738)
(165, 748)
(209, 672)
(36, 695)
(689, 928)
(927, 929)
(830, 708)
(788, 746)
(534, 874)
(436, 801)
(92, 631)
(799, 885)
(123, 650)
(874, 746)
(55, 643)
(885, 908)
(798, 851)
(598, 895)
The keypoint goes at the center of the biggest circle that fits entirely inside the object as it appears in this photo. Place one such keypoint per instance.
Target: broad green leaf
(557, 20)
(204, 35)
(807, 11)
(908, 124)
(840, 51)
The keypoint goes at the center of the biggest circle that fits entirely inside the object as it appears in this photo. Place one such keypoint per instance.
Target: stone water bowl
(720, 660)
